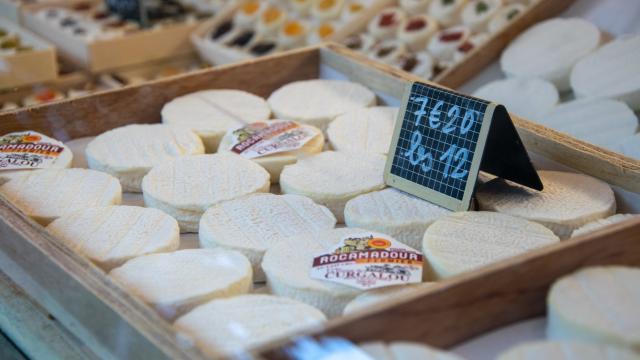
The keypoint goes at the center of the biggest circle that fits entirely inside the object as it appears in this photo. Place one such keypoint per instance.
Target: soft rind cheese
(567, 350)
(287, 269)
(567, 201)
(596, 304)
(391, 211)
(210, 113)
(368, 130)
(174, 283)
(374, 297)
(611, 71)
(465, 241)
(254, 223)
(45, 195)
(64, 161)
(550, 49)
(405, 350)
(111, 235)
(274, 163)
(530, 98)
(332, 178)
(235, 324)
(129, 152)
(318, 102)
(602, 223)
(187, 186)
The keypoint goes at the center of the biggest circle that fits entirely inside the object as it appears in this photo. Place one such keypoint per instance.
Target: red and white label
(261, 139)
(28, 150)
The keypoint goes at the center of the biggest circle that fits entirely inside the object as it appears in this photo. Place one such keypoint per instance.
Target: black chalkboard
(128, 9)
(442, 139)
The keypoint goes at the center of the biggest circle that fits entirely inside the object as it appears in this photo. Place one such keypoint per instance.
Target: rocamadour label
(28, 150)
(368, 261)
(261, 139)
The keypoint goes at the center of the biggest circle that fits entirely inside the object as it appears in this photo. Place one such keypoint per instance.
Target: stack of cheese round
(185, 187)
(550, 49)
(211, 113)
(232, 325)
(332, 178)
(274, 163)
(174, 283)
(464, 241)
(530, 98)
(556, 350)
(287, 268)
(254, 223)
(64, 160)
(601, 223)
(45, 195)
(111, 235)
(129, 152)
(318, 102)
(373, 297)
(598, 304)
(393, 212)
(368, 130)
(404, 350)
(567, 201)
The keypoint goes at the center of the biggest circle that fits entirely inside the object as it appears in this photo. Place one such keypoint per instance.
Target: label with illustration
(368, 261)
(261, 138)
(28, 150)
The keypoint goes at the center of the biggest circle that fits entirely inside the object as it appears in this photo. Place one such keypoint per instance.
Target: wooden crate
(111, 323)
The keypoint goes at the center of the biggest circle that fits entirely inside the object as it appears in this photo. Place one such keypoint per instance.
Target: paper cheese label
(28, 150)
(261, 139)
(368, 261)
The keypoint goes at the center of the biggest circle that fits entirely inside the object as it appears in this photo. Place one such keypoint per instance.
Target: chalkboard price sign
(441, 141)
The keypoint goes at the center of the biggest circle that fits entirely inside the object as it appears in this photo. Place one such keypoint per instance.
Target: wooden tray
(111, 323)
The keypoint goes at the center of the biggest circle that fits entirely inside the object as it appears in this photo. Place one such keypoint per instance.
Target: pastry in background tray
(405, 350)
(567, 350)
(11, 43)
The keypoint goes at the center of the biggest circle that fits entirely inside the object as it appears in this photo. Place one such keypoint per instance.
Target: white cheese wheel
(405, 350)
(254, 223)
(567, 202)
(287, 269)
(374, 297)
(64, 161)
(45, 195)
(78, 148)
(464, 241)
(386, 24)
(369, 130)
(550, 49)
(596, 304)
(601, 122)
(602, 223)
(445, 42)
(318, 102)
(174, 283)
(393, 212)
(187, 186)
(210, 113)
(332, 178)
(274, 163)
(236, 324)
(629, 146)
(477, 14)
(530, 98)
(129, 152)
(505, 16)
(111, 235)
(612, 71)
(447, 12)
(567, 350)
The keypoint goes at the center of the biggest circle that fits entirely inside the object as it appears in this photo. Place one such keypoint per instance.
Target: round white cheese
(187, 186)
(111, 235)
(78, 148)
(288, 267)
(332, 178)
(567, 201)
(611, 71)
(530, 98)
(210, 113)
(601, 122)
(45, 195)
(374, 297)
(405, 350)
(477, 14)
(464, 241)
(274, 163)
(318, 102)
(64, 160)
(567, 350)
(393, 212)
(368, 130)
(254, 223)
(174, 283)
(602, 223)
(129, 152)
(597, 304)
(550, 49)
(236, 324)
